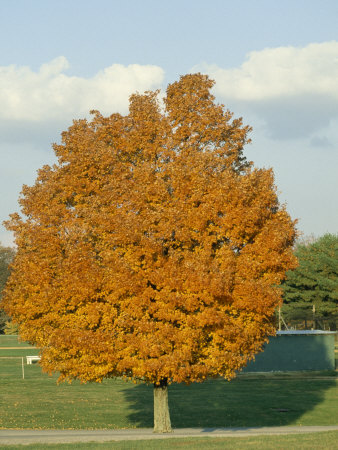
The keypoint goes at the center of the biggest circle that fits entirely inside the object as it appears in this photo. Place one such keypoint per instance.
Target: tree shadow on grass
(248, 401)
(251, 400)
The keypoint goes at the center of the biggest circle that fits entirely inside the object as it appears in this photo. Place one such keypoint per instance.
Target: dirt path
(15, 437)
(18, 348)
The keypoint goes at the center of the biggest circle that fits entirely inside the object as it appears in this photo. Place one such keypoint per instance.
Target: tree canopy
(153, 249)
(311, 290)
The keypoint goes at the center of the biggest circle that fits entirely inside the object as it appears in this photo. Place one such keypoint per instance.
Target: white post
(23, 369)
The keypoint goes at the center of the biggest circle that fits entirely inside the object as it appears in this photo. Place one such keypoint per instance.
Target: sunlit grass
(12, 341)
(38, 402)
(250, 400)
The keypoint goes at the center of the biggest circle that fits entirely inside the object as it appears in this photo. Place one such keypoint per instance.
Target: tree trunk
(161, 408)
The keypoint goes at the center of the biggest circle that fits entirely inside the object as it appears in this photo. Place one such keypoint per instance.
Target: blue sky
(275, 64)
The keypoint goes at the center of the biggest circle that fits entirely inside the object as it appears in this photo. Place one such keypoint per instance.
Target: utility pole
(279, 319)
(314, 316)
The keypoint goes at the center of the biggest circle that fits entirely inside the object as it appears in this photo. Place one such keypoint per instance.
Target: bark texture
(162, 422)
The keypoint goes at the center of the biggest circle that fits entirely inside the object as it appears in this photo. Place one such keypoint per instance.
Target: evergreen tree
(311, 290)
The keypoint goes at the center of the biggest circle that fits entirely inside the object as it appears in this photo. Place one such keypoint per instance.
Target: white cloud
(295, 90)
(282, 71)
(50, 94)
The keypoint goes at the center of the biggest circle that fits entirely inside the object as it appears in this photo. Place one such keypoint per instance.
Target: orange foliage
(153, 249)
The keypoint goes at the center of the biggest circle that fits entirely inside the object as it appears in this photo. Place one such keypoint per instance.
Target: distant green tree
(11, 328)
(6, 256)
(311, 290)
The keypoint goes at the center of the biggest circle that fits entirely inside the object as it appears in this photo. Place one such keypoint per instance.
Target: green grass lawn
(11, 346)
(37, 402)
(12, 341)
(250, 400)
(18, 352)
(313, 441)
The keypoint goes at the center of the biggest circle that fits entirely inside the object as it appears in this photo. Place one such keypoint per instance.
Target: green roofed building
(295, 350)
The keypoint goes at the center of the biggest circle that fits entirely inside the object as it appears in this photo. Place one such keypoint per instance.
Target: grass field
(12, 341)
(10, 346)
(250, 400)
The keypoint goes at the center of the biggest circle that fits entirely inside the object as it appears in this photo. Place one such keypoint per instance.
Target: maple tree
(153, 249)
